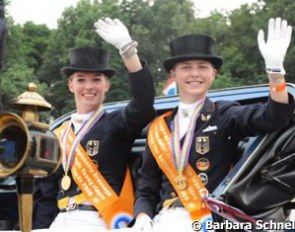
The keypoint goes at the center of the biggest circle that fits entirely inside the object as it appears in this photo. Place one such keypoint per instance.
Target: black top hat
(88, 59)
(190, 47)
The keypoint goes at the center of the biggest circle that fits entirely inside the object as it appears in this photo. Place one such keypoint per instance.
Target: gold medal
(181, 182)
(65, 182)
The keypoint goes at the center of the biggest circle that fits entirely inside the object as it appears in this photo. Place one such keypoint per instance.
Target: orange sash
(191, 197)
(117, 211)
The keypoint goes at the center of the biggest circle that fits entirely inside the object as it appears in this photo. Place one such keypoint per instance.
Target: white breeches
(174, 219)
(79, 218)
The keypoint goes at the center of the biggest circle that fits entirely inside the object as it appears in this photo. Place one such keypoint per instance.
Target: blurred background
(36, 52)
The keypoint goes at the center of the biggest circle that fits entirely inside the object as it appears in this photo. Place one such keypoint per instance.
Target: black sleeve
(255, 119)
(45, 202)
(139, 111)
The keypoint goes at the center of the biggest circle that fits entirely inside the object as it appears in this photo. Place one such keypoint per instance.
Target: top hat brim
(68, 71)
(170, 62)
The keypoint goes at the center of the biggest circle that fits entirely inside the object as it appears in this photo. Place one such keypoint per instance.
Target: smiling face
(89, 89)
(194, 78)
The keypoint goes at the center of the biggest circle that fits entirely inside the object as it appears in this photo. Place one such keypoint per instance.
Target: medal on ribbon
(68, 159)
(181, 182)
(65, 182)
(180, 154)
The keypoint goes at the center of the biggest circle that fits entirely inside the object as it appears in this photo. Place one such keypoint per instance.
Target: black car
(251, 152)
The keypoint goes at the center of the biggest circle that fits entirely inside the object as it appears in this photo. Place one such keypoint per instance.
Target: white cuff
(275, 71)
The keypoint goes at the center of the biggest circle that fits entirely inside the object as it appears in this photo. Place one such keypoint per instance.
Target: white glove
(113, 31)
(143, 223)
(274, 50)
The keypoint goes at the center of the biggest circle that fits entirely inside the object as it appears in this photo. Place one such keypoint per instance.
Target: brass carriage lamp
(28, 149)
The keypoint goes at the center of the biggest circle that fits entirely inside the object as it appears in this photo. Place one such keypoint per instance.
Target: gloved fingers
(285, 33)
(284, 26)
(98, 31)
(260, 39)
(277, 28)
(143, 223)
(113, 31)
(274, 47)
(104, 24)
(288, 34)
(100, 24)
(110, 22)
(97, 24)
(271, 30)
(101, 33)
(104, 30)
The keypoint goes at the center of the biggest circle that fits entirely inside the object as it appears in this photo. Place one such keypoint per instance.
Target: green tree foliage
(15, 80)
(23, 58)
(223, 81)
(161, 22)
(240, 50)
(35, 40)
(75, 29)
(36, 53)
